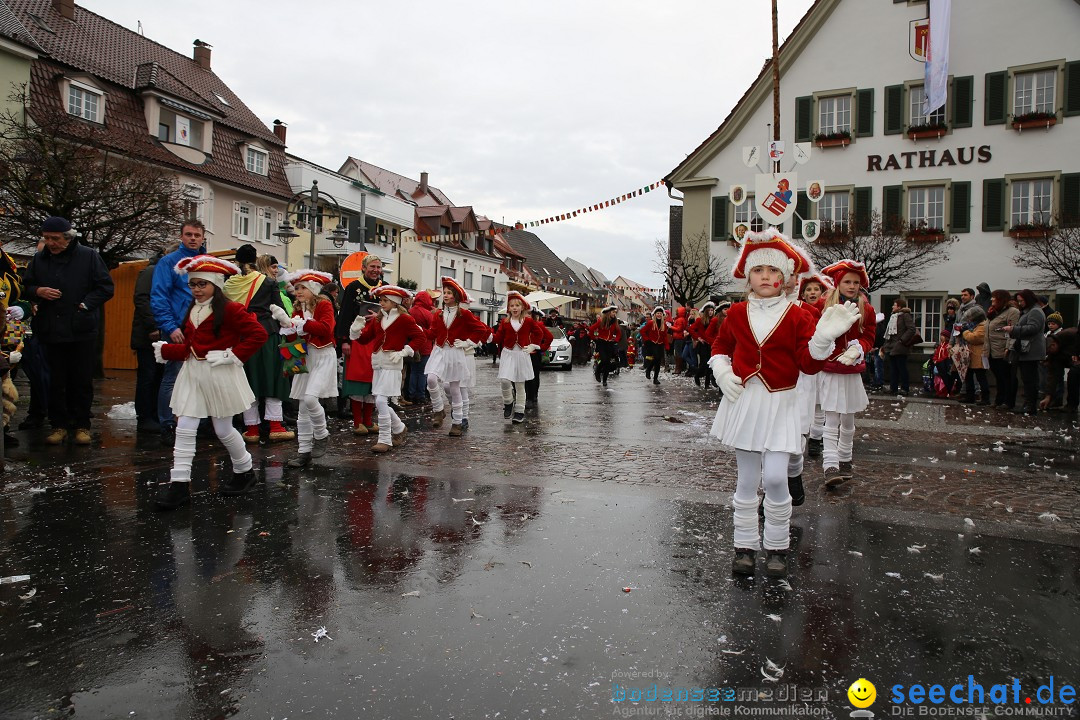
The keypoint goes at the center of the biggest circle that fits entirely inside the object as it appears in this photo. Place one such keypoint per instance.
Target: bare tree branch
(692, 274)
(1052, 256)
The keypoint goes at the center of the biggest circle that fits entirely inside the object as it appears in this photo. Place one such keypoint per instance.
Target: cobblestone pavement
(912, 455)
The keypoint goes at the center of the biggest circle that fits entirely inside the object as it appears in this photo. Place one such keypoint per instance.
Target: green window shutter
(802, 212)
(993, 204)
(864, 112)
(1070, 200)
(894, 109)
(720, 226)
(1072, 88)
(960, 212)
(892, 204)
(864, 207)
(963, 89)
(994, 109)
(804, 119)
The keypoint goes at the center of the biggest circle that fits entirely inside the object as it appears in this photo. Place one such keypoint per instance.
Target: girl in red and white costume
(759, 350)
(312, 320)
(453, 329)
(606, 334)
(840, 388)
(219, 337)
(812, 289)
(656, 336)
(393, 333)
(519, 336)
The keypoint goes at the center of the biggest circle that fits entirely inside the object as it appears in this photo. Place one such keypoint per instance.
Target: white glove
(14, 357)
(298, 325)
(407, 351)
(214, 358)
(15, 313)
(853, 355)
(730, 383)
(464, 344)
(278, 313)
(157, 351)
(531, 348)
(395, 356)
(357, 327)
(834, 322)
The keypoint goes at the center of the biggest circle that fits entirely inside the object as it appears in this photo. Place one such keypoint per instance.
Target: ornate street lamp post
(305, 208)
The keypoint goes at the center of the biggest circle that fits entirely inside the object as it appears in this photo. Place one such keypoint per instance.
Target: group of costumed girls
(759, 355)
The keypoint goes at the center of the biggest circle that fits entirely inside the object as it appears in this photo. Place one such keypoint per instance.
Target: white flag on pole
(937, 64)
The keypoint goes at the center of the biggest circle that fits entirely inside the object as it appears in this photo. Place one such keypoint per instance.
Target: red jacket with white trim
(610, 333)
(781, 355)
(530, 333)
(658, 335)
(319, 329)
(465, 326)
(395, 336)
(865, 336)
(240, 332)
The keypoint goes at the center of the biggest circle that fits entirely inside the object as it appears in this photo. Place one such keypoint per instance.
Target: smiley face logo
(862, 693)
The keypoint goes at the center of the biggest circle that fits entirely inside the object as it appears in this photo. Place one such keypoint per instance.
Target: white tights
(187, 428)
(768, 469)
(435, 391)
(795, 464)
(514, 392)
(310, 422)
(389, 422)
(839, 437)
(273, 412)
(817, 428)
(454, 390)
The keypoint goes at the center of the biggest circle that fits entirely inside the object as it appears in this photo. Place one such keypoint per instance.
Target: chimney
(66, 8)
(201, 54)
(423, 183)
(279, 130)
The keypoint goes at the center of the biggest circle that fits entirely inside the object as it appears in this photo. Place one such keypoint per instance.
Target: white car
(560, 352)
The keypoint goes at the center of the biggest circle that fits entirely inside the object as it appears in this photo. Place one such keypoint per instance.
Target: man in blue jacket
(170, 299)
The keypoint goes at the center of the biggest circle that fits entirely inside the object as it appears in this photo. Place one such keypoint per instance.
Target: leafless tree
(1051, 255)
(691, 273)
(52, 163)
(896, 255)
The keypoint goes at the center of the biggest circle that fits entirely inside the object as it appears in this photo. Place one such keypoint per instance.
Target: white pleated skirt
(470, 366)
(515, 365)
(447, 363)
(321, 378)
(204, 391)
(760, 420)
(842, 393)
(386, 378)
(807, 390)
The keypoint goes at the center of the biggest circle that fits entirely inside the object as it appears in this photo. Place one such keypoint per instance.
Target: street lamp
(311, 214)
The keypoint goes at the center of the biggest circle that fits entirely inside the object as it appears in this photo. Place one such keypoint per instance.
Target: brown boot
(380, 448)
(455, 430)
(399, 438)
(438, 417)
(834, 478)
(360, 429)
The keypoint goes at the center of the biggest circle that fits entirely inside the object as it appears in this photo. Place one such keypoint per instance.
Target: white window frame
(467, 279)
(747, 213)
(264, 225)
(253, 152)
(925, 191)
(926, 308)
(1021, 179)
(912, 187)
(84, 90)
(826, 210)
(1056, 100)
(243, 220)
(916, 94)
(194, 196)
(1034, 91)
(826, 104)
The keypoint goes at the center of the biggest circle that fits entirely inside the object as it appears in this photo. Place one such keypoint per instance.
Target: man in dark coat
(71, 284)
(144, 331)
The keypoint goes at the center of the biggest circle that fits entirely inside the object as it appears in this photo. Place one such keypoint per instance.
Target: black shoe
(596, 374)
(32, 423)
(744, 562)
(795, 489)
(530, 404)
(697, 381)
(148, 426)
(508, 410)
(318, 447)
(464, 424)
(300, 461)
(647, 375)
(814, 447)
(178, 494)
(519, 417)
(845, 469)
(656, 381)
(776, 563)
(168, 436)
(605, 382)
(238, 484)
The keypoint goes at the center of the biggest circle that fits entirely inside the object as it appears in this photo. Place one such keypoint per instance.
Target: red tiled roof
(391, 183)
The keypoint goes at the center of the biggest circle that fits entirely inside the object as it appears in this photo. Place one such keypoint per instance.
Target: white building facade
(479, 272)
(848, 66)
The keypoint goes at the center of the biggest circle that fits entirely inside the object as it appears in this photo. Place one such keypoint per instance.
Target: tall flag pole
(776, 81)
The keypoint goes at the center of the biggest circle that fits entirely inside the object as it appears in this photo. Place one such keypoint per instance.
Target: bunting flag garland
(562, 217)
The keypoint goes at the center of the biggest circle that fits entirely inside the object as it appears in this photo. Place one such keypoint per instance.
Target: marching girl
(313, 320)
(219, 337)
(812, 289)
(519, 336)
(606, 333)
(757, 355)
(453, 329)
(702, 333)
(840, 388)
(258, 295)
(392, 334)
(657, 339)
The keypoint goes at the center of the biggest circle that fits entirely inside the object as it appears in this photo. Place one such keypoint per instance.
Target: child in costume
(702, 333)
(393, 334)
(806, 388)
(453, 329)
(812, 289)
(313, 321)
(759, 350)
(657, 338)
(519, 336)
(840, 387)
(219, 337)
(606, 333)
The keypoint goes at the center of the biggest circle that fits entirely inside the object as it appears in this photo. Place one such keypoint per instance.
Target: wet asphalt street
(543, 570)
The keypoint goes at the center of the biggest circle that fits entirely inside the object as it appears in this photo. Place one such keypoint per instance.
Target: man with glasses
(70, 284)
(170, 299)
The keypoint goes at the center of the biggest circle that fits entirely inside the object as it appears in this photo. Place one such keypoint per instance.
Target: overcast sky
(522, 110)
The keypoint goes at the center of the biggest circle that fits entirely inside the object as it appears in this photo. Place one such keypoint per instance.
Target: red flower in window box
(923, 234)
(1034, 120)
(836, 139)
(927, 130)
(1028, 231)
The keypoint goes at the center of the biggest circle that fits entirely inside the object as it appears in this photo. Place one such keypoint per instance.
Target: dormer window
(256, 160)
(174, 127)
(85, 102)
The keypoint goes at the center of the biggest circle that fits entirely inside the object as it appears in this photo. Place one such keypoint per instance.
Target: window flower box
(927, 131)
(1030, 232)
(836, 139)
(1034, 121)
(926, 235)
